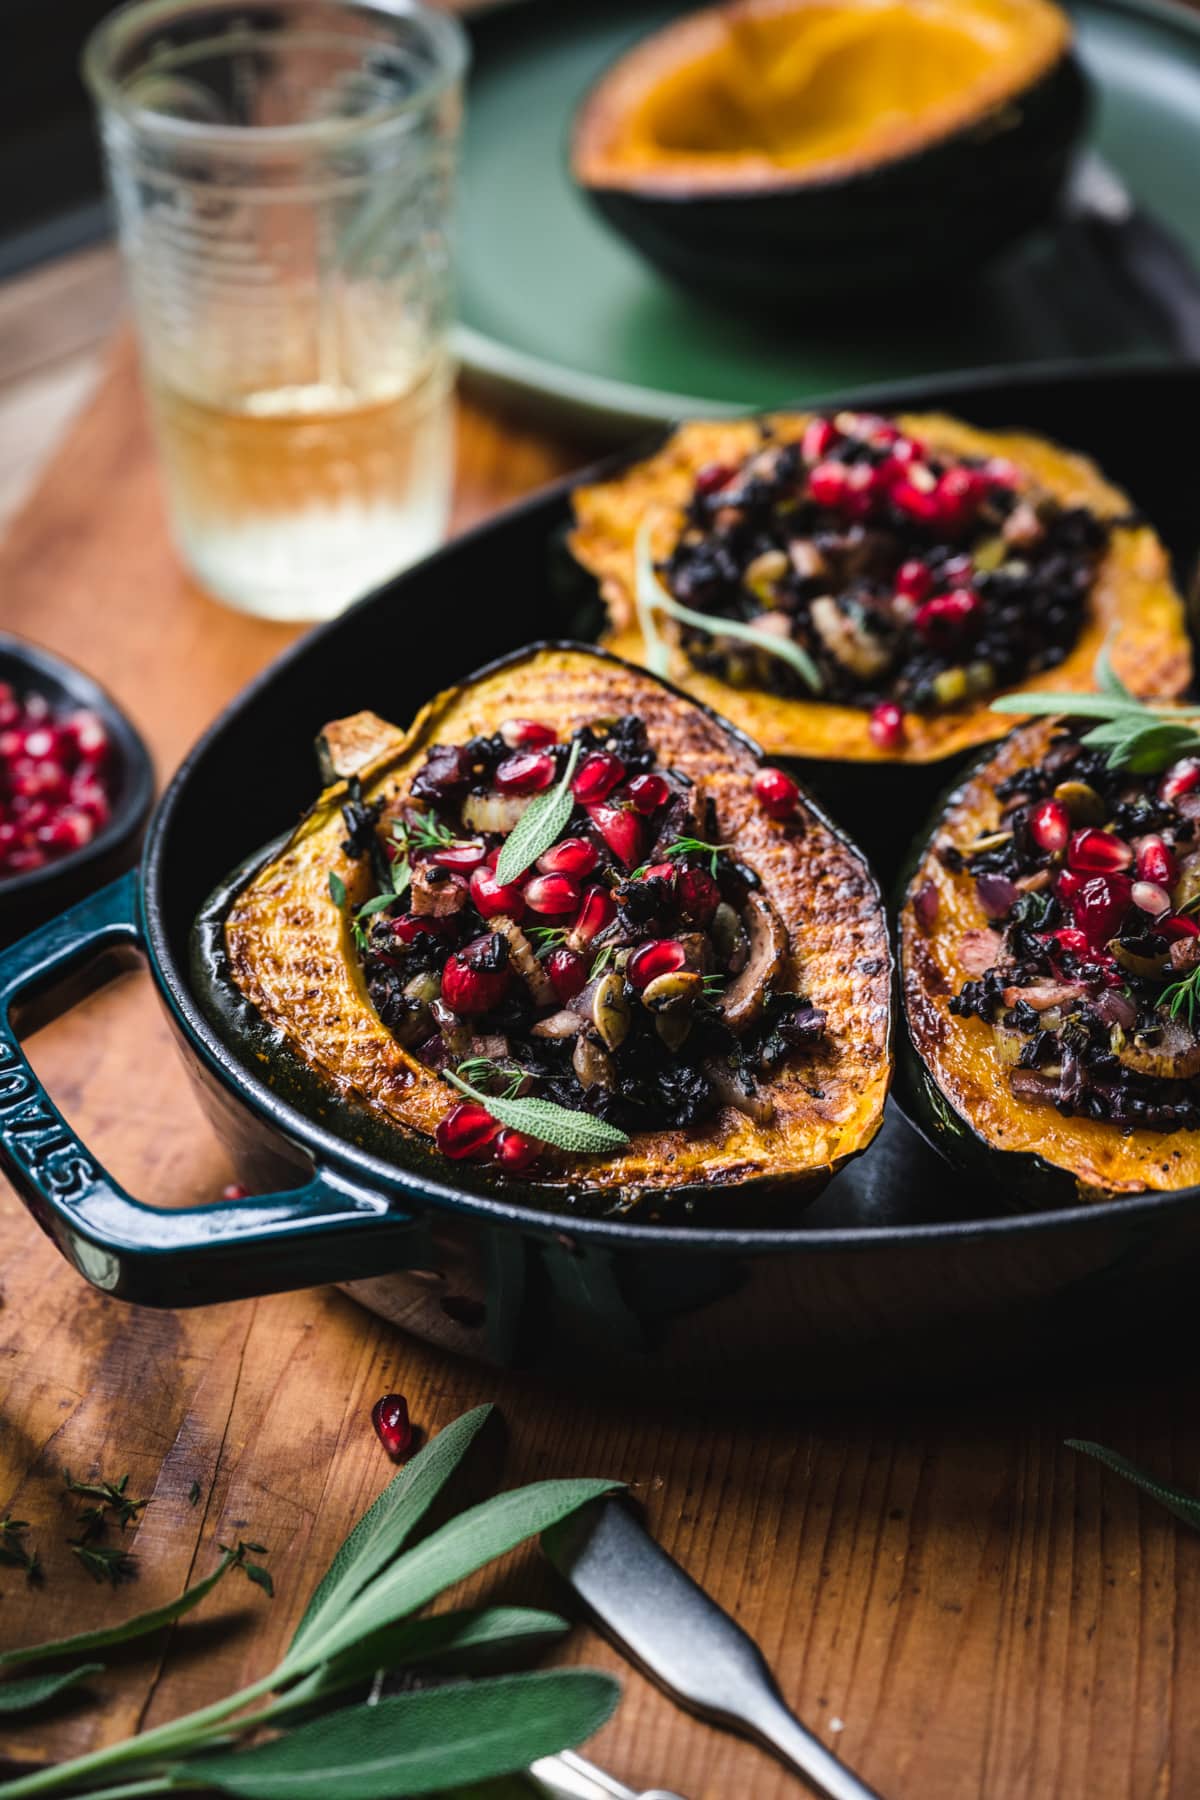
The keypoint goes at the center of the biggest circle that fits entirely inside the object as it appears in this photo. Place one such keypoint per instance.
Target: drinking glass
(283, 175)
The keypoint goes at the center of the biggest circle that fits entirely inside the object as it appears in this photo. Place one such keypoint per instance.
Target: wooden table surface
(952, 1599)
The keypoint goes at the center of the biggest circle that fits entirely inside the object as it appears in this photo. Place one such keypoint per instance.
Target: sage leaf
(544, 820)
(452, 1639)
(1132, 735)
(337, 888)
(1185, 1506)
(460, 1547)
(385, 1527)
(577, 1132)
(654, 596)
(34, 1690)
(374, 906)
(139, 1626)
(420, 1743)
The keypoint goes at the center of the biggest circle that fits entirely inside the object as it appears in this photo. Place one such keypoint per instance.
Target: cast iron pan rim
(137, 771)
(378, 1174)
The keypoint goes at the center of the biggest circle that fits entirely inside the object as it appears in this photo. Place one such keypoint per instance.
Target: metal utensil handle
(333, 1229)
(569, 1776)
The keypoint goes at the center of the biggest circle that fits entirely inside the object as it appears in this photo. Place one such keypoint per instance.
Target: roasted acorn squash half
(775, 149)
(677, 955)
(1047, 949)
(917, 564)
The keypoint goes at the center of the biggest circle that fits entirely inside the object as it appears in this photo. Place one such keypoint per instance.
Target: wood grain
(952, 1599)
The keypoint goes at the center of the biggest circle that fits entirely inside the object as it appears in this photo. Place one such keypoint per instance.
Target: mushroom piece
(524, 961)
(559, 1026)
(742, 1095)
(846, 640)
(437, 892)
(592, 1064)
(493, 812)
(455, 1032)
(1173, 1056)
(742, 1001)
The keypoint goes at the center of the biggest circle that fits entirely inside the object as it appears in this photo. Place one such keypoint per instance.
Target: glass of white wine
(283, 176)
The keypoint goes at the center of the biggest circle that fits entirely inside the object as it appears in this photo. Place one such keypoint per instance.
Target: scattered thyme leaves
(13, 1553)
(110, 1496)
(194, 1494)
(104, 1562)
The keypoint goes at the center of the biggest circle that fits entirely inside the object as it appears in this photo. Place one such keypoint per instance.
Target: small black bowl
(29, 898)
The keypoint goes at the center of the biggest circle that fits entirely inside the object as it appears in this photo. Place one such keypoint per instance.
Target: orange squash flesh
(291, 954)
(960, 1054)
(1133, 607)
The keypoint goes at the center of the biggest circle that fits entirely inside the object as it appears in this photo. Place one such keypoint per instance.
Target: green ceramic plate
(554, 305)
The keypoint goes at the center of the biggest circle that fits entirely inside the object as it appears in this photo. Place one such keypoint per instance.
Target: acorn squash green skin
(758, 1201)
(940, 212)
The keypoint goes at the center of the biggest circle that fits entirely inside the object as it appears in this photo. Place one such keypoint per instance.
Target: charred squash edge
(1133, 607)
(1073, 1159)
(260, 1047)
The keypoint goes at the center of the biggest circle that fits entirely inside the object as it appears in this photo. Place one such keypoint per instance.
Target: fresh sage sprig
(1185, 1506)
(35, 1690)
(543, 820)
(1133, 733)
(653, 597)
(360, 1619)
(576, 1132)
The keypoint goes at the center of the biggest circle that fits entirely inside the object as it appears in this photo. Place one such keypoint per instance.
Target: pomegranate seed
(906, 450)
(21, 862)
(492, 896)
(661, 956)
(1150, 898)
(528, 773)
(470, 982)
(827, 484)
(1069, 937)
(467, 1131)
(960, 493)
(914, 579)
(574, 856)
(648, 792)
(598, 911)
(552, 894)
(1177, 926)
(567, 971)
(43, 742)
(513, 1151)
(621, 831)
(1001, 472)
(776, 793)
(463, 857)
(863, 484)
(233, 1190)
(409, 928)
(958, 571)
(712, 477)
(596, 777)
(663, 871)
(916, 494)
(820, 435)
(1050, 826)
(527, 734)
(68, 830)
(1099, 903)
(91, 798)
(1179, 779)
(91, 738)
(444, 773)
(1156, 862)
(946, 616)
(1098, 852)
(53, 785)
(698, 895)
(886, 726)
(389, 1416)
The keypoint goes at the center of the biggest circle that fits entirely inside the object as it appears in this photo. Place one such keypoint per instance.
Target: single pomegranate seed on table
(233, 1190)
(698, 895)
(552, 895)
(389, 1416)
(1181, 778)
(1050, 826)
(527, 734)
(648, 792)
(776, 793)
(567, 971)
(467, 1131)
(1156, 861)
(529, 773)
(621, 831)
(914, 579)
(597, 911)
(713, 477)
(513, 1151)
(885, 728)
(474, 980)
(1148, 897)
(820, 435)
(1098, 852)
(492, 896)
(596, 777)
(661, 956)
(574, 856)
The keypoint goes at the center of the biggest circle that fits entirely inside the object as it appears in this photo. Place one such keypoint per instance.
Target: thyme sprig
(1183, 996)
(104, 1562)
(110, 1497)
(480, 1069)
(691, 846)
(13, 1553)
(1133, 734)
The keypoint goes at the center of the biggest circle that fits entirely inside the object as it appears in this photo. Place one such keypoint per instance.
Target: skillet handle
(330, 1229)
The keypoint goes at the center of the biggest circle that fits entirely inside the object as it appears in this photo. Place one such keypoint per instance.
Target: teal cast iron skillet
(897, 1268)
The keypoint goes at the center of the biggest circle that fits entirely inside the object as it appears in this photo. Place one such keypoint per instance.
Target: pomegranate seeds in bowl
(55, 781)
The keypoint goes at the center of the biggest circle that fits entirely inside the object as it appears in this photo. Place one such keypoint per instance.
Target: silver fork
(571, 1777)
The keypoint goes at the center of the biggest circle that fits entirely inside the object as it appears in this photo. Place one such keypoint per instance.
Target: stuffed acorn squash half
(567, 928)
(1050, 959)
(855, 590)
(771, 150)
